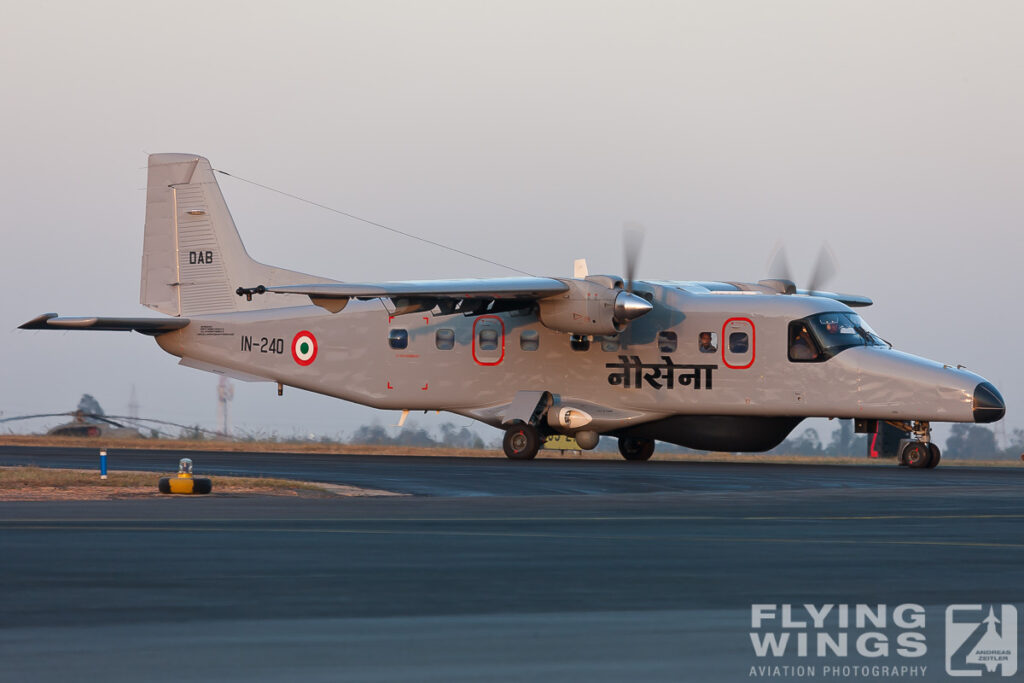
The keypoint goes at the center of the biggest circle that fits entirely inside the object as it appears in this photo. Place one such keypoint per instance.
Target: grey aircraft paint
(578, 356)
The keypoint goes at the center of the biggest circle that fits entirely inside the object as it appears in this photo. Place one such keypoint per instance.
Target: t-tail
(193, 260)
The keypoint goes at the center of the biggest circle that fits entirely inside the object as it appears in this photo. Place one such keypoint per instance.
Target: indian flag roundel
(304, 348)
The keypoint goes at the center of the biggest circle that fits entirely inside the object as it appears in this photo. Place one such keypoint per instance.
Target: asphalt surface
(441, 476)
(550, 570)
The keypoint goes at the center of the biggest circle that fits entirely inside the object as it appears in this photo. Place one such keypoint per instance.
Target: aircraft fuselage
(652, 370)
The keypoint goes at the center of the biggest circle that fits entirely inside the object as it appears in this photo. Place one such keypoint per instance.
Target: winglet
(579, 268)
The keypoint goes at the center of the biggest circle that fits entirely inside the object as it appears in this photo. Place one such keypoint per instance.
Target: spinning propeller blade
(779, 266)
(629, 306)
(824, 269)
(632, 241)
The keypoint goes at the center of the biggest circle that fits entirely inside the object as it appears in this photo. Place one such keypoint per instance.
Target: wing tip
(38, 322)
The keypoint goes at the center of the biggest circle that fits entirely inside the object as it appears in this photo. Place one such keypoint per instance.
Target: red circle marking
(500, 358)
(753, 343)
(295, 341)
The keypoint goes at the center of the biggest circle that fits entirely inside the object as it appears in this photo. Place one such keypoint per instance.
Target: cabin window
(398, 338)
(579, 342)
(529, 340)
(444, 339)
(609, 342)
(739, 342)
(667, 342)
(487, 339)
(707, 342)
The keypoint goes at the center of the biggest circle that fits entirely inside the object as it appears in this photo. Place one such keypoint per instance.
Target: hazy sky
(527, 133)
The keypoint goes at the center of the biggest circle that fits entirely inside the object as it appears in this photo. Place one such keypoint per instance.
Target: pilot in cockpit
(802, 347)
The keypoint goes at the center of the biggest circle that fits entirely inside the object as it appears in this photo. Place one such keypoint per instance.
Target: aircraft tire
(936, 456)
(917, 454)
(521, 442)
(636, 449)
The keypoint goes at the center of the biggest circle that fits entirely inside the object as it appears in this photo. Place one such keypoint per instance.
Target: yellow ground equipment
(185, 482)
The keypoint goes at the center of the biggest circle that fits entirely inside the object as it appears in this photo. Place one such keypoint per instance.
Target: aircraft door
(738, 343)
(488, 340)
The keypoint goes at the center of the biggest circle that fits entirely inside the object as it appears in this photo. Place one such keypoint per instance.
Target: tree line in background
(967, 441)
(449, 436)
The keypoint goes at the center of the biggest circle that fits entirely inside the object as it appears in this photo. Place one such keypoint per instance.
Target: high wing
(771, 286)
(150, 326)
(851, 300)
(453, 296)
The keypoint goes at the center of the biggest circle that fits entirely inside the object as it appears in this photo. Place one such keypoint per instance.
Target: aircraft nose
(988, 404)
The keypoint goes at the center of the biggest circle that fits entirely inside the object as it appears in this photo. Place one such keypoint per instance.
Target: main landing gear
(522, 441)
(918, 451)
(636, 449)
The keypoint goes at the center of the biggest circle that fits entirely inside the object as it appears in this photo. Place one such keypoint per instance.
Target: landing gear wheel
(917, 454)
(936, 456)
(521, 442)
(636, 449)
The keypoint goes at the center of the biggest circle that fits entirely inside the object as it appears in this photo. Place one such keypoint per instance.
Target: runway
(550, 570)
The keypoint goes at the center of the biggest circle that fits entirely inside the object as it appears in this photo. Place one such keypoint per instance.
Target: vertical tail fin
(192, 256)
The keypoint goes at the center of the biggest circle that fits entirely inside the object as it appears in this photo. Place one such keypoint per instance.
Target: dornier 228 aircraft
(707, 365)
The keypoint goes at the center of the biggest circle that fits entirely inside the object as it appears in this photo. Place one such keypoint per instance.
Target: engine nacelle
(591, 308)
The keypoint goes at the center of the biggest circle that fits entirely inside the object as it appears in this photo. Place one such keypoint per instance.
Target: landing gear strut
(636, 449)
(521, 442)
(919, 451)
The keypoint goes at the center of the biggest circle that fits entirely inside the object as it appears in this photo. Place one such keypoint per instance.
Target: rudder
(193, 258)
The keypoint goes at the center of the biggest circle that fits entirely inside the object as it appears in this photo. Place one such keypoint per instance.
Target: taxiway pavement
(445, 476)
(549, 570)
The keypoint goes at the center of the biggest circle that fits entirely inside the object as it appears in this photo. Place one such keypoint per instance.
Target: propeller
(825, 268)
(632, 241)
(778, 268)
(627, 304)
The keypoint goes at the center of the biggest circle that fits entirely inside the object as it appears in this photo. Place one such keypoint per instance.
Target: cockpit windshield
(820, 336)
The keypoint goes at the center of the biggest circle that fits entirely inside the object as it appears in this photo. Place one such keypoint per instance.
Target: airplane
(721, 366)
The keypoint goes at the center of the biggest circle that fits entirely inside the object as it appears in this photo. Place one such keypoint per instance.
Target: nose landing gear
(919, 451)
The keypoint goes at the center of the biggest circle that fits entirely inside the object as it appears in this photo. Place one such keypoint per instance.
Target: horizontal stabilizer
(150, 326)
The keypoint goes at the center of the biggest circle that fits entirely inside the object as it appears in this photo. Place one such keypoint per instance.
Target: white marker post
(103, 463)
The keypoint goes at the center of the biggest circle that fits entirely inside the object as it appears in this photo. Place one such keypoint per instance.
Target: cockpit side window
(820, 336)
(802, 347)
